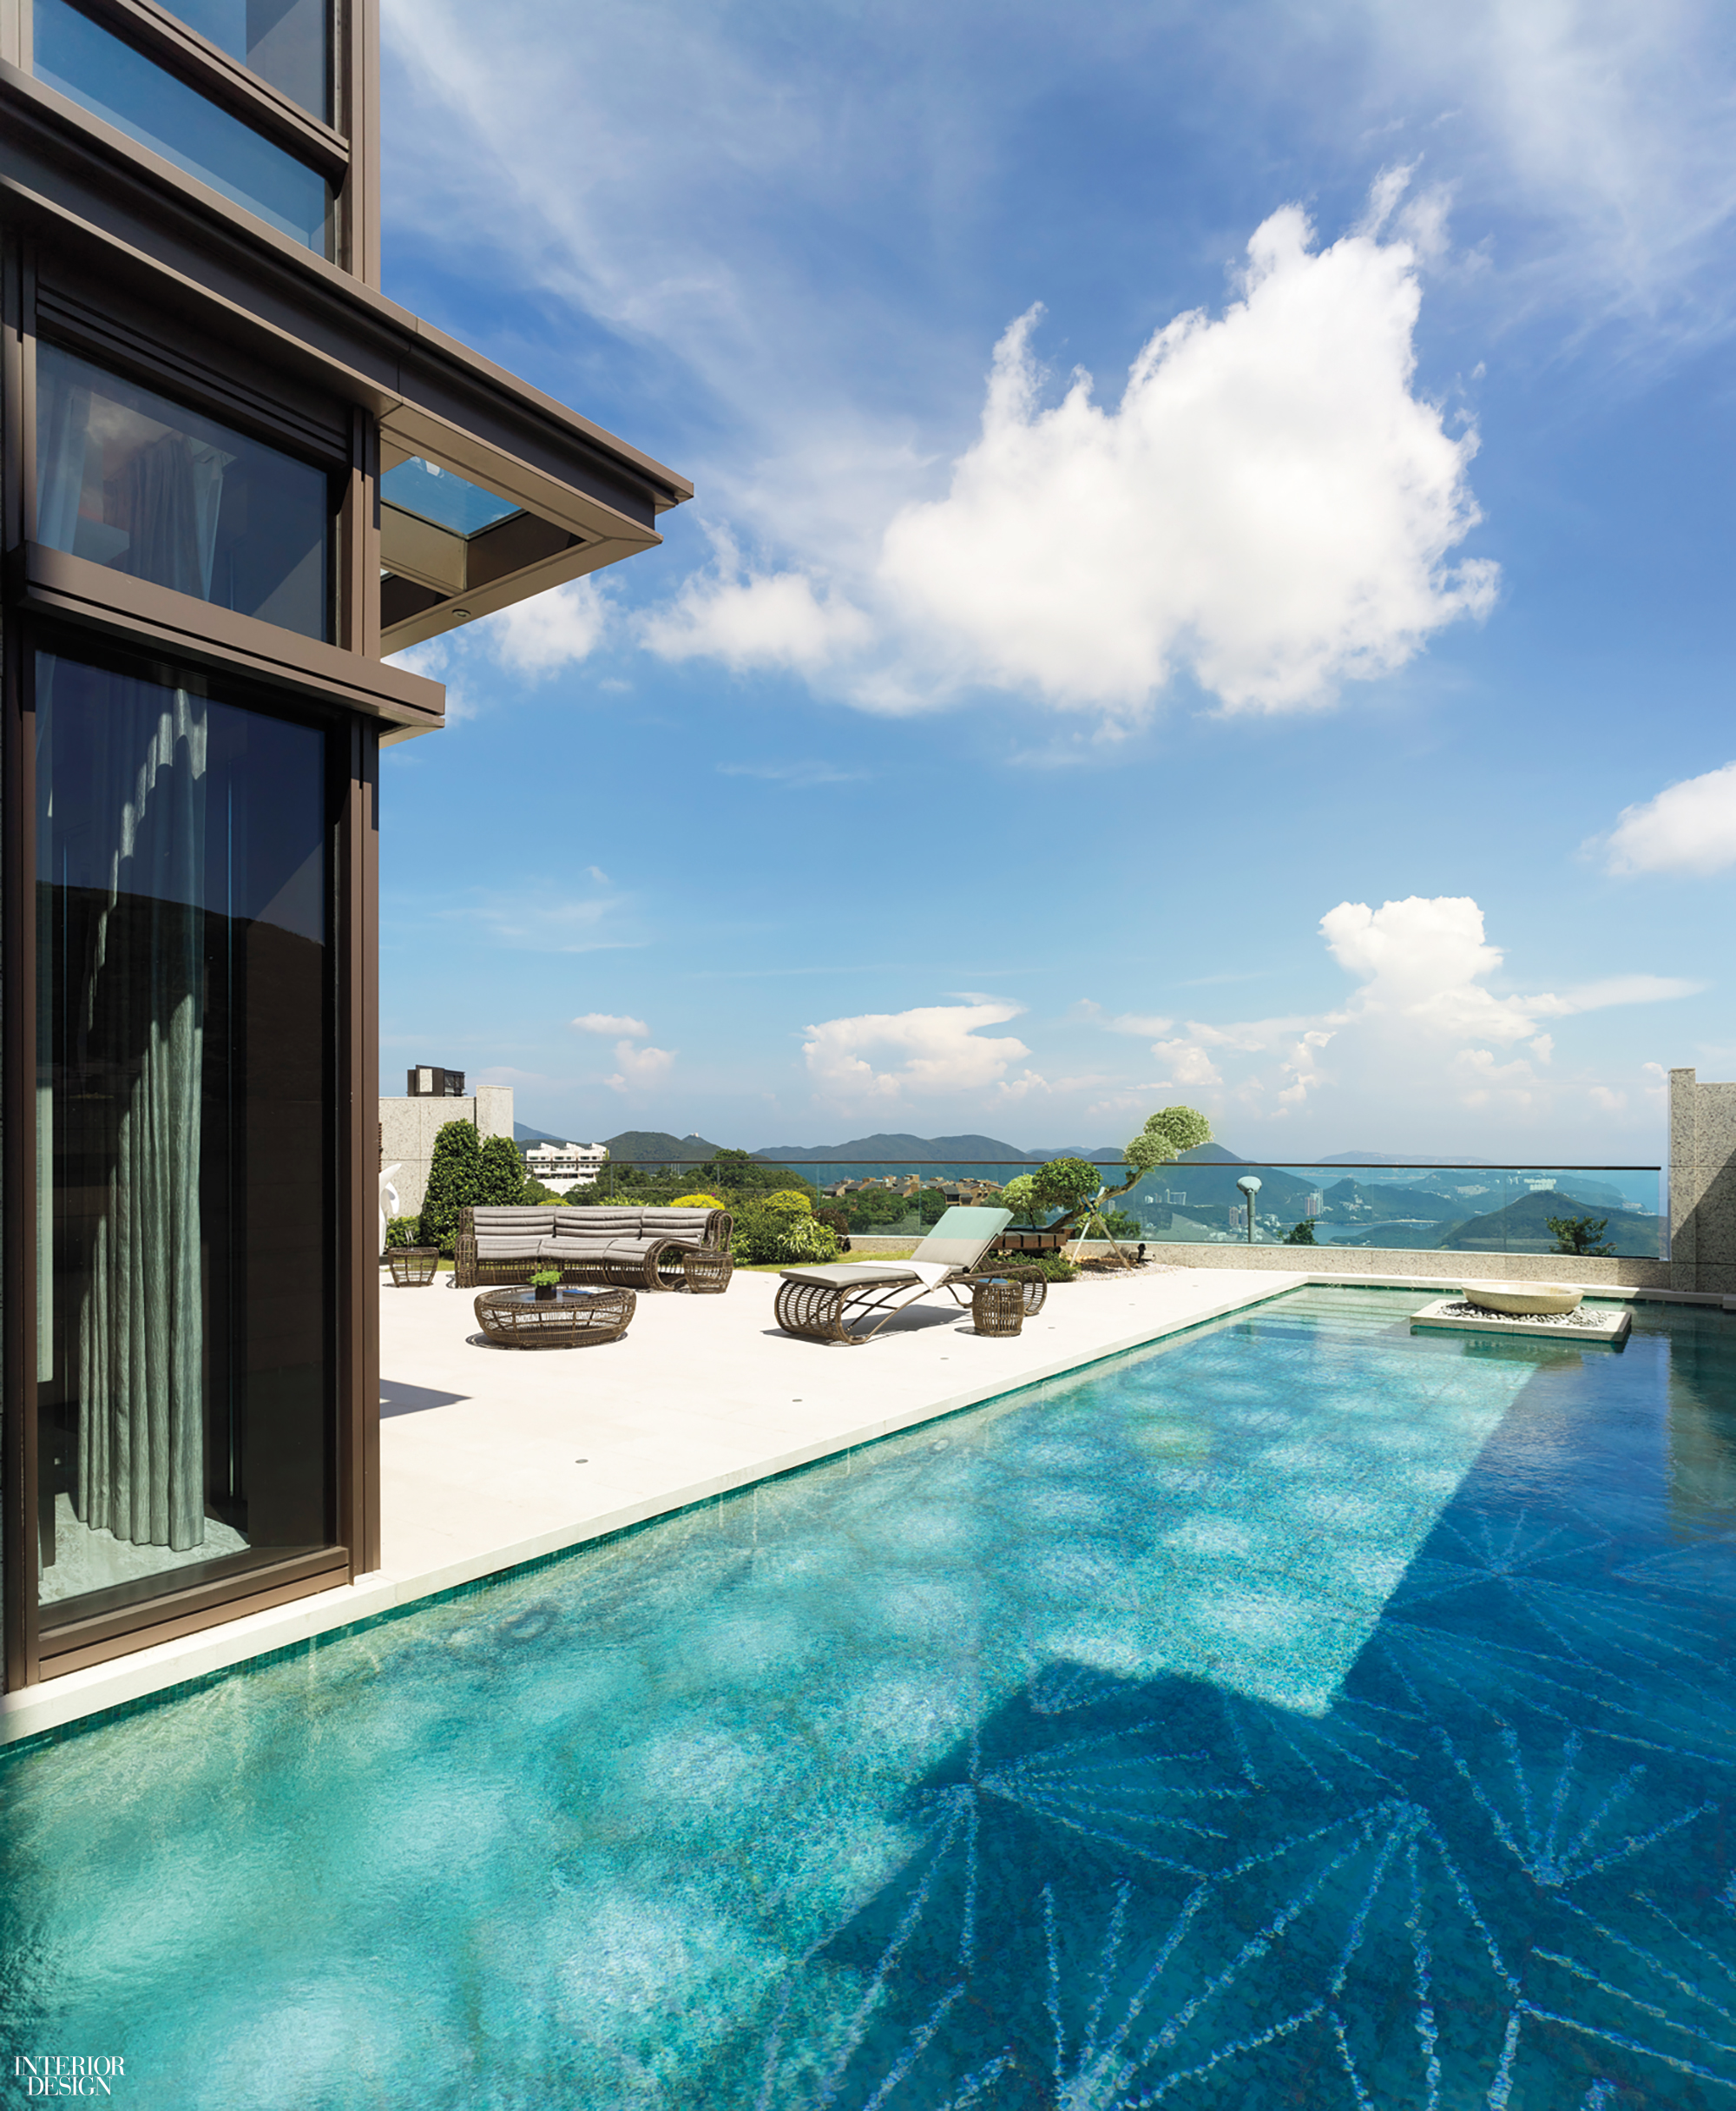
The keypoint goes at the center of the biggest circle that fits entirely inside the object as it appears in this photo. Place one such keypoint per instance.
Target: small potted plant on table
(545, 1283)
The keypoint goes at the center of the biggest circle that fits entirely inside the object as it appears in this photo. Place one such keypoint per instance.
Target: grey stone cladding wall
(1702, 1184)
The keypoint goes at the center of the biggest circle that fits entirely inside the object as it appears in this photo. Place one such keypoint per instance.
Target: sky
(1208, 579)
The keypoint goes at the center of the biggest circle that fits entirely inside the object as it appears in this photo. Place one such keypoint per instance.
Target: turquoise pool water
(1306, 1713)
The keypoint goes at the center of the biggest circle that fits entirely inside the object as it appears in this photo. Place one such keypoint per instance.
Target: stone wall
(1384, 1261)
(1430, 1267)
(1702, 1184)
(408, 1128)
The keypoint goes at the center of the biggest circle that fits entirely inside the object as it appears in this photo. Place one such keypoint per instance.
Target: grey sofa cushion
(507, 1245)
(572, 1249)
(600, 1223)
(505, 1221)
(688, 1224)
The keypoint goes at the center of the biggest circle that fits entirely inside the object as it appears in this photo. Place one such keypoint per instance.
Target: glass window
(184, 1103)
(115, 82)
(285, 42)
(132, 481)
(446, 499)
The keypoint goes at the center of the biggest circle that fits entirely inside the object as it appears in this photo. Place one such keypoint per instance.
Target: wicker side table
(997, 1306)
(708, 1271)
(413, 1267)
(518, 1318)
(1034, 1286)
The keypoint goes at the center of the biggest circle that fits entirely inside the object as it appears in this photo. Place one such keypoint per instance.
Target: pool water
(1306, 1713)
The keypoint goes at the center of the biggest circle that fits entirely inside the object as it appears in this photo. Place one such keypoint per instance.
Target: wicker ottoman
(413, 1267)
(518, 1318)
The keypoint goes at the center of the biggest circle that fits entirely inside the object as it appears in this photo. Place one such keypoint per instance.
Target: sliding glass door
(184, 1140)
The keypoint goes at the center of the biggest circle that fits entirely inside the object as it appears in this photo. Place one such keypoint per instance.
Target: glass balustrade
(1619, 1211)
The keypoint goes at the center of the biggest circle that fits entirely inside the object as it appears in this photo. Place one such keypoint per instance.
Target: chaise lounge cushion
(852, 1275)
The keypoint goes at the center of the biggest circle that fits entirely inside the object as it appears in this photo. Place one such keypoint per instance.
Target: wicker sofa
(640, 1247)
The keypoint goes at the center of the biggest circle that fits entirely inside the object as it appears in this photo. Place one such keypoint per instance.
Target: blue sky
(1318, 716)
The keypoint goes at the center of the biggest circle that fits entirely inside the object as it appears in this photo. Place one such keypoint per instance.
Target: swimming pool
(1303, 1712)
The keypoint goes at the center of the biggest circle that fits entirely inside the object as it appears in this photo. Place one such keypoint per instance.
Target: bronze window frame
(345, 151)
(33, 1653)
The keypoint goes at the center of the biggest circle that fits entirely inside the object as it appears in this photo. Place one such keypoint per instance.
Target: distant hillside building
(561, 1165)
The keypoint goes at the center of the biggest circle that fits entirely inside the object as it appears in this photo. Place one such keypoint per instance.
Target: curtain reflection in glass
(132, 481)
(182, 1101)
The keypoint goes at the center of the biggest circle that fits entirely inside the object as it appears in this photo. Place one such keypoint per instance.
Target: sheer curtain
(136, 1012)
(115, 484)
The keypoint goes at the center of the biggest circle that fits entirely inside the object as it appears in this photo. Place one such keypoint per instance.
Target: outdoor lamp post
(1250, 1187)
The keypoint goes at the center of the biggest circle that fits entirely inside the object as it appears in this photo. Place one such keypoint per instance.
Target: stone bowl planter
(1519, 1299)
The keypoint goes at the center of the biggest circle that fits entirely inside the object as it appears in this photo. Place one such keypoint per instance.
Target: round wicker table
(413, 1267)
(517, 1319)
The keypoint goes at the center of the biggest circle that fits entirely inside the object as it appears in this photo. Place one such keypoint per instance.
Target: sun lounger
(831, 1302)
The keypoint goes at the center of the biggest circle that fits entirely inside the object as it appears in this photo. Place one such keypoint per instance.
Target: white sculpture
(388, 1201)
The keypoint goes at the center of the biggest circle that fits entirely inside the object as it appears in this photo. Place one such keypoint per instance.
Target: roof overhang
(112, 214)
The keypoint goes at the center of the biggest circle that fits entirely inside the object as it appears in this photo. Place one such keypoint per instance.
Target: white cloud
(533, 918)
(550, 631)
(607, 1022)
(1185, 1064)
(1421, 1028)
(1590, 148)
(944, 1046)
(1142, 1023)
(639, 1067)
(793, 776)
(748, 618)
(1688, 827)
(1270, 507)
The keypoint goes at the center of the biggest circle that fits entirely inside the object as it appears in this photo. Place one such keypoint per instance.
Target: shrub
(403, 1232)
(1122, 1224)
(764, 1235)
(500, 1171)
(698, 1201)
(454, 1181)
(1302, 1234)
(805, 1239)
(790, 1202)
(1031, 1268)
(836, 1222)
(532, 1191)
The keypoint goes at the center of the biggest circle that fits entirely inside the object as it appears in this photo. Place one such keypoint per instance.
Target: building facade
(234, 476)
(408, 1128)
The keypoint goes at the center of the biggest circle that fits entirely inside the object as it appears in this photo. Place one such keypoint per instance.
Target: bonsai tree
(1075, 1187)
(1020, 1196)
(454, 1181)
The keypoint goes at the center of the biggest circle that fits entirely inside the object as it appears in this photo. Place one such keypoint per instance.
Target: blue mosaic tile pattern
(1307, 1714)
